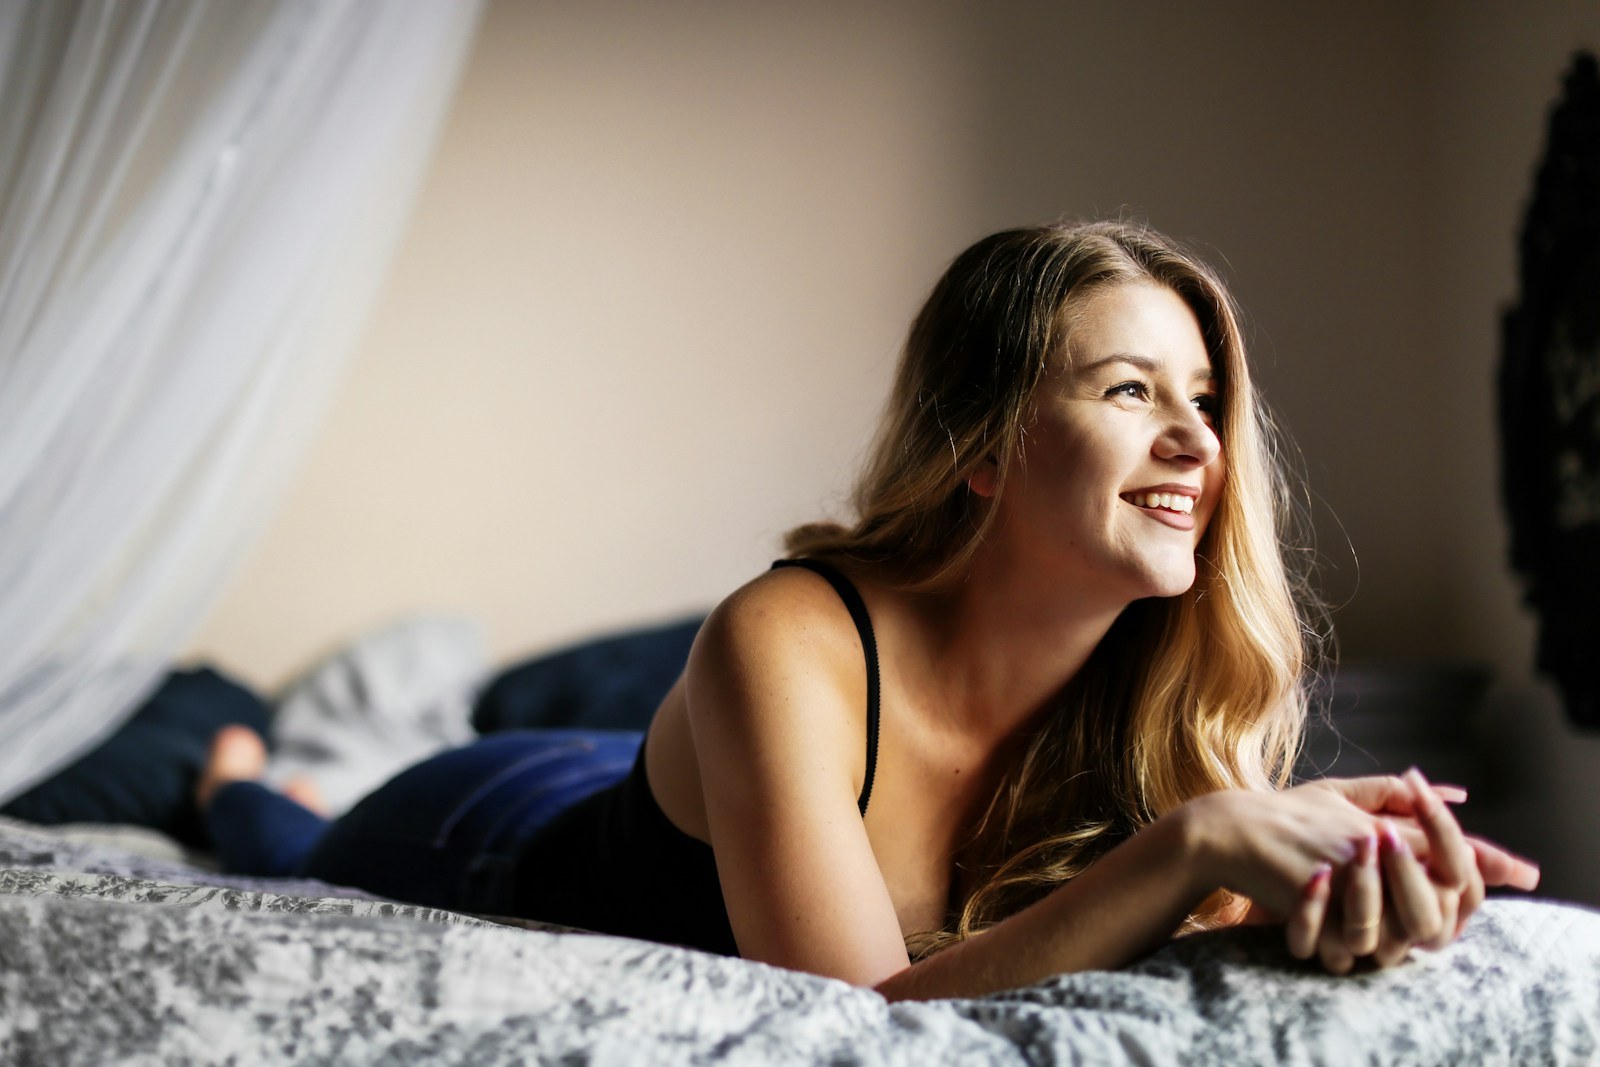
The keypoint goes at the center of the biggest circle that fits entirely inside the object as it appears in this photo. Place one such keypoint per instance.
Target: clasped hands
(1364, 868)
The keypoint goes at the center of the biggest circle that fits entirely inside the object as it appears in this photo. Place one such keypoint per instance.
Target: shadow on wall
(1385, 718)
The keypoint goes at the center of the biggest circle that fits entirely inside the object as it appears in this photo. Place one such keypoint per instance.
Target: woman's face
(1120, 467)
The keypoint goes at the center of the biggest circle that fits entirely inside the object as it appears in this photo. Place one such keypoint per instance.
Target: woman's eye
(1207, 404)
(1136, 390)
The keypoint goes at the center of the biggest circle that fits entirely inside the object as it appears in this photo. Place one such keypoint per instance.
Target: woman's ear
(981, 481)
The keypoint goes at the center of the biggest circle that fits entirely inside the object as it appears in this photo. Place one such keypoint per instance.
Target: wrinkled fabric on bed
(391, 698)
(109, 956)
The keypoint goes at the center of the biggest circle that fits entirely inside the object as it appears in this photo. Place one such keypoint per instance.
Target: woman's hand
(1347, 880)
(1274, 848)
(1412, 883)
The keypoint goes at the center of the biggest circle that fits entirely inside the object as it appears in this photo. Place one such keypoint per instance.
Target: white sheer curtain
(196, 204)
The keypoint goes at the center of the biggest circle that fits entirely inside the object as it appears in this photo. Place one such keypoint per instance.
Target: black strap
(858, 613)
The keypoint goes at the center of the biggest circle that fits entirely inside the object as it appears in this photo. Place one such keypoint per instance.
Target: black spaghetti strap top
(858, 614)
(614, 863)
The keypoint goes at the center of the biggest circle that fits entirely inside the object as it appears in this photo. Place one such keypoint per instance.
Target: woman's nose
(1189, 437)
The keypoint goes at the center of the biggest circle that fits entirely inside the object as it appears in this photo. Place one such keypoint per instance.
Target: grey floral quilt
(106, 956)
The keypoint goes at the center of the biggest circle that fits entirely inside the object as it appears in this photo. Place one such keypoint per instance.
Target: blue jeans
(445, 833)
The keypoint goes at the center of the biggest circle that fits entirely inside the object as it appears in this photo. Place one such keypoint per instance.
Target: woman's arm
(1278, 849)
(775, 692)
(1123, 907)
(776, 696)
(779, 739)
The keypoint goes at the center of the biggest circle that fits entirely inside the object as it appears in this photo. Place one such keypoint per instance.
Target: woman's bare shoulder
(781, 609)
(783, 635)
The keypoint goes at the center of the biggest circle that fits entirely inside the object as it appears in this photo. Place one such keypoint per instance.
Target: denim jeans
(445, 833)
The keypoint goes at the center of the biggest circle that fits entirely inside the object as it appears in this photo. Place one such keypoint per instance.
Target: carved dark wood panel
(1550, 398)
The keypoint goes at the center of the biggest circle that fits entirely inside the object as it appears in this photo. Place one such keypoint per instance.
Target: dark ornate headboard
(1550, 398)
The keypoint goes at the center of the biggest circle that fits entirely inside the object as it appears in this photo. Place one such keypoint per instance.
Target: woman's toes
(237, 754)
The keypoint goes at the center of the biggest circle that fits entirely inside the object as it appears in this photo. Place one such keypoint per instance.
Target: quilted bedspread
(106, 956)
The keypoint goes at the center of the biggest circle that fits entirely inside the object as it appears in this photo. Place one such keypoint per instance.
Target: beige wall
(654, 287)
(1494, 70)
(641, 326)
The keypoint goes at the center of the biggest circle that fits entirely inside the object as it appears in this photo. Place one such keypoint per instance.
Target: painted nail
(1392, 841)
(1422, 793)
(1319, 879)
(1367, 850)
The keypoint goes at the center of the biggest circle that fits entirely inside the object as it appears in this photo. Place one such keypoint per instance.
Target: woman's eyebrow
(1144, 363)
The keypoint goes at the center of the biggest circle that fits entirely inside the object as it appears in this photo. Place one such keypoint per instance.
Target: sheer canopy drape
(196, 204)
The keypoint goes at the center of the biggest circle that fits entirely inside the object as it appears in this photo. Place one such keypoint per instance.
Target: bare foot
(307, 794)
(237, 755)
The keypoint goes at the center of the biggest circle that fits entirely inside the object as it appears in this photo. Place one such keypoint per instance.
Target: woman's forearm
(1123, 907)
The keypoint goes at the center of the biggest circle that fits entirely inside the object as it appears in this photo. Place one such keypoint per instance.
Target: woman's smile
(1172, 505)
(1127, 415)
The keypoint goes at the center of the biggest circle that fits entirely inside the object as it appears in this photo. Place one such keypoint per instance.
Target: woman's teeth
(1183, 505)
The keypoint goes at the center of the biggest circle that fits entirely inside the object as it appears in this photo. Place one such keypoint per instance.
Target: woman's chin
(1170, 582)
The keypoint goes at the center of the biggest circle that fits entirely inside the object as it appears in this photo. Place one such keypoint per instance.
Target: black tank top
(614, 863)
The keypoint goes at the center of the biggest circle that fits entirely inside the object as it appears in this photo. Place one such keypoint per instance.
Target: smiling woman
(1047, 687)
(1111, 460)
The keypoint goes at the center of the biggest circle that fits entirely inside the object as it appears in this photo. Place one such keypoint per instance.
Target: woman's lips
(1170, 518)
(1176, 520)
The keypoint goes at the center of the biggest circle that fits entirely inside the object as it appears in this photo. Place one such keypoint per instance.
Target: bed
(108, 954)
(120, 944)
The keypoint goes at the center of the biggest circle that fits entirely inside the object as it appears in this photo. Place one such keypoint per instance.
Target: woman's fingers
(1416, 884)
(1470, 900)
(1393, 795)
(1306, 923)
(1450, 859)
(1363, 899)
(1415, 900)
(1500, 867)
(1374, 794)
(1388, 794)
(1393, 944)
(1449, 920)
(1331, 949)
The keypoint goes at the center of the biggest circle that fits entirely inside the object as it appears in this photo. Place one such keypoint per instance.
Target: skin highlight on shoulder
(782, 615)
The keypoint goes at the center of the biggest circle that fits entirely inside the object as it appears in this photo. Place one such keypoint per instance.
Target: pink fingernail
(1421, 791)
(1392, 840)
(1319, 878)
(1368, 850)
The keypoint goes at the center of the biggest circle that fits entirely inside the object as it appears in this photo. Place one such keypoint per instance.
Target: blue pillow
(614, 683)
(144, 774)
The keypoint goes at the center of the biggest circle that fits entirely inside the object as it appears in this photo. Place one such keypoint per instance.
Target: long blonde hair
(1185, 695)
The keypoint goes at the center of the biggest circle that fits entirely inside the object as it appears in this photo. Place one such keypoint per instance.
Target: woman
(1033, 711)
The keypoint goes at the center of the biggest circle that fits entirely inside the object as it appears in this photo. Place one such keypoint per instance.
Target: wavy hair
(1185, 695)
